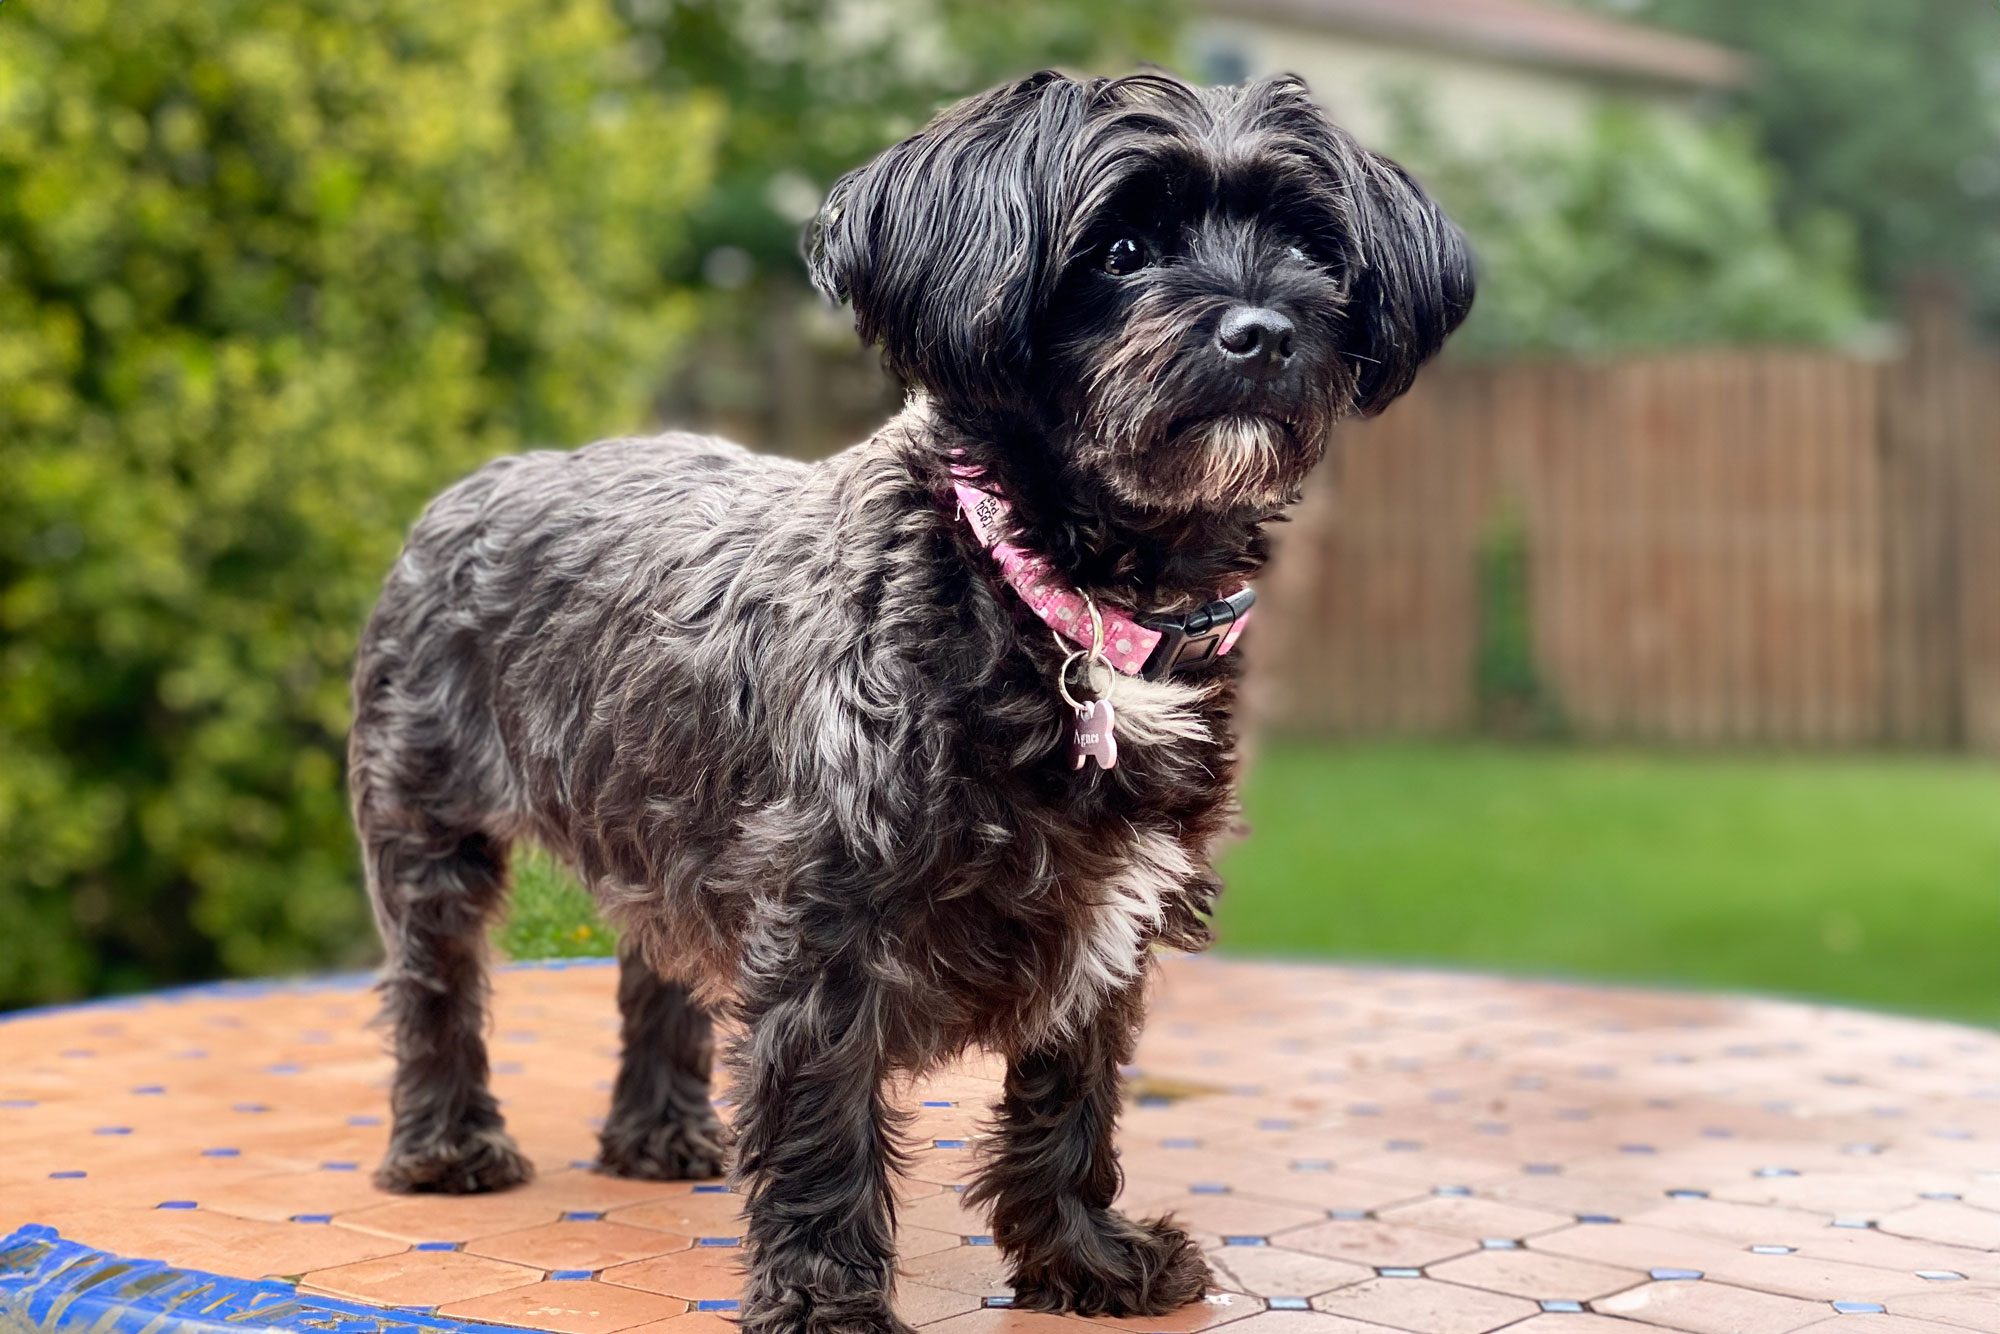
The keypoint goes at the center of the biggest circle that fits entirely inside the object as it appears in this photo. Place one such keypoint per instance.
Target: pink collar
(1132, 648)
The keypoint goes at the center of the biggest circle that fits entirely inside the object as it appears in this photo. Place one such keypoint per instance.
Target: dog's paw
(1120, 1267)
(469, 1162)
(676, 1151)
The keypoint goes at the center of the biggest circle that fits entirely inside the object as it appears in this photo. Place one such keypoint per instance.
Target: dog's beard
(1166, 428)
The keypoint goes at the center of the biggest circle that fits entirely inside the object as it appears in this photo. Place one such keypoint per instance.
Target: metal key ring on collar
(1062, 676)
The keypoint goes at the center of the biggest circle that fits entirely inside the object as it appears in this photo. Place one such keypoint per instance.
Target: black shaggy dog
(808, 748)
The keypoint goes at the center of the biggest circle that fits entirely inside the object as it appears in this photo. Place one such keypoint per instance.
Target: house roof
(1528, 31)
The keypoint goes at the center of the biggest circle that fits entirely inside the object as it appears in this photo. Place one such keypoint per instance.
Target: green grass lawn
(1873, 880)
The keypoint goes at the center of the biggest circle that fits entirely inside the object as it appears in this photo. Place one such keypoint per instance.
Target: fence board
(1768, 547)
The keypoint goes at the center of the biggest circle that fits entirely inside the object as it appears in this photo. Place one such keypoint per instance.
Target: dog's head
(1181, 288)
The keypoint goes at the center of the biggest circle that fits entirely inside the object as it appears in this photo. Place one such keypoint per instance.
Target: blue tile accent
(1208, 1188)
(149, 1090)
(1563, 1306)
(284, 1068)
(975, 1239)
(222, 1153)
(719, 1243)
(711, 1190)
(1499, 1244)
(364, 1120)
(1347, 1215)
(1452, 1192)
(1397, 1271)
(1246, 1241)
(947, 1144)
(582, 1215)
(1403, 1145)
(570, 1275)
(18, 1103)
(996, 1303)
(1288, 1303)
(1776, 1172)
(48, 1282)
(252, 1108)
(1312, 1165)
(436, 1246)
(1596, 1218)
(716, 1304)
(1276, 1123)
(1940, 1276)
(1945, 1195)
(1542, 1169)
(1687, 1193)
(1774, 1250)
(1860, 1308)
(340, 1167)
(70, 1175)
(1180, 1142)
(112, 1130)
(1857, 1224)
(175, 1204)
(935, 1102)
(312, 1218)
(1674, 1275)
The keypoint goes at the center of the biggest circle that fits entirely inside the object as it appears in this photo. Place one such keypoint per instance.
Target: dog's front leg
(814, 1151)
(1053, 1175)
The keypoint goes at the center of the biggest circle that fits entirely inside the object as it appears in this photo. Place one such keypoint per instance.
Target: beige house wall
(1470, 100)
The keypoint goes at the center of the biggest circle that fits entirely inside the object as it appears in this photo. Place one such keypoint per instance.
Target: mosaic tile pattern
(1359, 1151)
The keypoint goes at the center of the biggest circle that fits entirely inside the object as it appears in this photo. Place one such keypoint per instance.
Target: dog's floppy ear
(1412, 281)
(942, 243)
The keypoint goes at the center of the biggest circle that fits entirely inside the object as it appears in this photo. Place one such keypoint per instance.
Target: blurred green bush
(271, 272)
(1651, 231)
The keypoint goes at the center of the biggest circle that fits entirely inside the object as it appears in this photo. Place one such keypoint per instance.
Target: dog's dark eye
(1125, 256)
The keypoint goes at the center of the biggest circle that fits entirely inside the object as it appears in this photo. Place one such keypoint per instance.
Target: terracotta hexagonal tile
(1301, 1322)
(701, 1274)
(1368, 1241)
(450, 1217)
(1274, 1271)
(694, 1214)
(922, 1304)
(1216, 1308)
(694, 1322)
(1425, 1304)
(420, 1278)
(1465, 1216)
(1712, 1308)
(988, 1320)
(569, 1306)
(588, 1244)
(981, 1271)
(1536, 1275)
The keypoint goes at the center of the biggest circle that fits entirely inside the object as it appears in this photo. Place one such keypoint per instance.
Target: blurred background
(1656, 636)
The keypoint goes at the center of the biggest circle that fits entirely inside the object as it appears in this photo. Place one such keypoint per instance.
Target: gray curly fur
(805, 749)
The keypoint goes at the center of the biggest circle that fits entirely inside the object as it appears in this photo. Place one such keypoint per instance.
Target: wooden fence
(1766, 547)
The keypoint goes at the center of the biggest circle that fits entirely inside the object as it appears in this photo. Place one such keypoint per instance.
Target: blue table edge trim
(48, 1282)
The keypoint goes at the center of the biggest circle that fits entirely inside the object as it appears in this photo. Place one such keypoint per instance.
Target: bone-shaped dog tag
(1095, 735)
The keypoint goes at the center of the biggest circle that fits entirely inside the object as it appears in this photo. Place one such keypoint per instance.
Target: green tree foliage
(1885, 111)
(1650, 231)
(271, 272)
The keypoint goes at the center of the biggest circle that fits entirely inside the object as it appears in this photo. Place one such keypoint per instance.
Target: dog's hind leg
(1053, 1175)
(434, 894)
(662, 1127)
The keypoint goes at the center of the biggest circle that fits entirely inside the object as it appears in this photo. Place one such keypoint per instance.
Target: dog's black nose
(1258, 340)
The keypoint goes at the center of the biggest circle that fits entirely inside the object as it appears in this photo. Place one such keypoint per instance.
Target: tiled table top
(1359, 1150)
